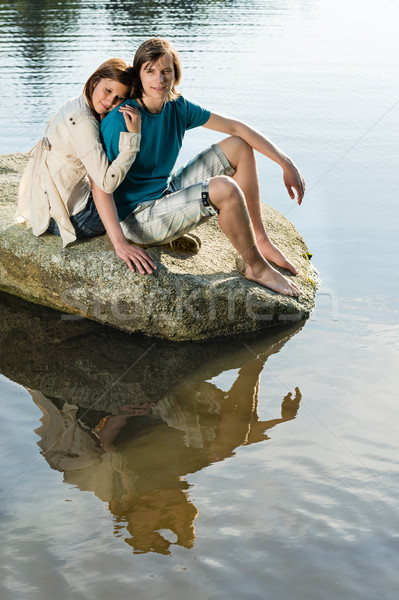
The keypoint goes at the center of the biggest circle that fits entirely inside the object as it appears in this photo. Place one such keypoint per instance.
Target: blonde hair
(115, 69)
(149, 52)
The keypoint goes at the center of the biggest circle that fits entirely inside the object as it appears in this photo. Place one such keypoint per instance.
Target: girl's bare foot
(274, 255)
(265, 275)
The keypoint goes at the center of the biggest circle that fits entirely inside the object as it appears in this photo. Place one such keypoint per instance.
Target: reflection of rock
(142, 476)
(93, 366)
(87, 375)
(84, 374)
(188, 297)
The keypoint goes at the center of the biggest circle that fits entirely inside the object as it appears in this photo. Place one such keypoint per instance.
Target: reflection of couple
(71, 188)
(144, 454)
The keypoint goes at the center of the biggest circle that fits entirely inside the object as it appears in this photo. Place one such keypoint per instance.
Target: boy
(153, 207)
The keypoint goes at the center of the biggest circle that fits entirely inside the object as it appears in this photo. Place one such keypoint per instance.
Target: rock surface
(189, 297)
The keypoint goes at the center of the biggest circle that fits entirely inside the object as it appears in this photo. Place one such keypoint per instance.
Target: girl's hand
(132, 118)
(135, 257)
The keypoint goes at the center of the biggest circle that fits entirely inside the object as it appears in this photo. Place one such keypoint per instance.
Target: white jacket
(55, 183)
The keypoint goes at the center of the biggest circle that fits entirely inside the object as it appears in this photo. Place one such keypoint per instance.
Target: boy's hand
(135, 257)
(293, 180)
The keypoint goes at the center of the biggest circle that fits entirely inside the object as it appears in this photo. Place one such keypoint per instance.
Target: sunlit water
(265, 467)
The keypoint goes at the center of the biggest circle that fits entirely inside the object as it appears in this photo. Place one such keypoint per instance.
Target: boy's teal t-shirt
(161, 141)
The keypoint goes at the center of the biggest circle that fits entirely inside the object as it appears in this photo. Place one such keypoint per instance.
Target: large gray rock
(189, 296)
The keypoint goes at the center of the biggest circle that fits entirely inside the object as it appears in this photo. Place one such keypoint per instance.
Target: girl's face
(107, 94)
(157, 79)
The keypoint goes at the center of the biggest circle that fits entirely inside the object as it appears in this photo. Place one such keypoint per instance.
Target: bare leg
(235, 222)
(241, 156)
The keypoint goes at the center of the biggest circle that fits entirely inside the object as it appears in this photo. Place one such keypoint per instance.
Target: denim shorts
(183, 206)
(87, 222)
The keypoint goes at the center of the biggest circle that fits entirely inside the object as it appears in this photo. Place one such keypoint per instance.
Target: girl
(54, 193)
(153, 207)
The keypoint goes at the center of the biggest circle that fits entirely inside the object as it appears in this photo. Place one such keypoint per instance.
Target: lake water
(261, 467)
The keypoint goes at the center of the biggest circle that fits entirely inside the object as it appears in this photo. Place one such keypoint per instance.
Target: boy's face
(157, 79)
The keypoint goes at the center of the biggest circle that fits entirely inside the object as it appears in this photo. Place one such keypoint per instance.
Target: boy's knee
(224, 188)
(236, 147)
(241, 144)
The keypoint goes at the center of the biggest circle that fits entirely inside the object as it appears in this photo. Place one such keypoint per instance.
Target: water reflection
(49, 48)
(128, 418)
(37, 28)
(183, 17)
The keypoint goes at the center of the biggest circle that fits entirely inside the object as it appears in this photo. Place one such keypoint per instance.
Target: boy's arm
(132, 255)
(293, 179)
(111, 128)
(105, 204)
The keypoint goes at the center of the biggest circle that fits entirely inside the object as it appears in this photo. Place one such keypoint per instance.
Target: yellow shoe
(189, 243)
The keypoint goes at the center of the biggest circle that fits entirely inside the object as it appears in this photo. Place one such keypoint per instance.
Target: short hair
(116, 69)
(150, 52)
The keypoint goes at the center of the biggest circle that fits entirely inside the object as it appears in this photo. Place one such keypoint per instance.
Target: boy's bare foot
(274, 255)
(265, 275)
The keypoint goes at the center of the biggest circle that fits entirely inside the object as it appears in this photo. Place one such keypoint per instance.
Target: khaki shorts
(183, 206)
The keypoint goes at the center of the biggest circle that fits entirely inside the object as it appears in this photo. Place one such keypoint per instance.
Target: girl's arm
(89, 149)
(132, 255)
(293, 179)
